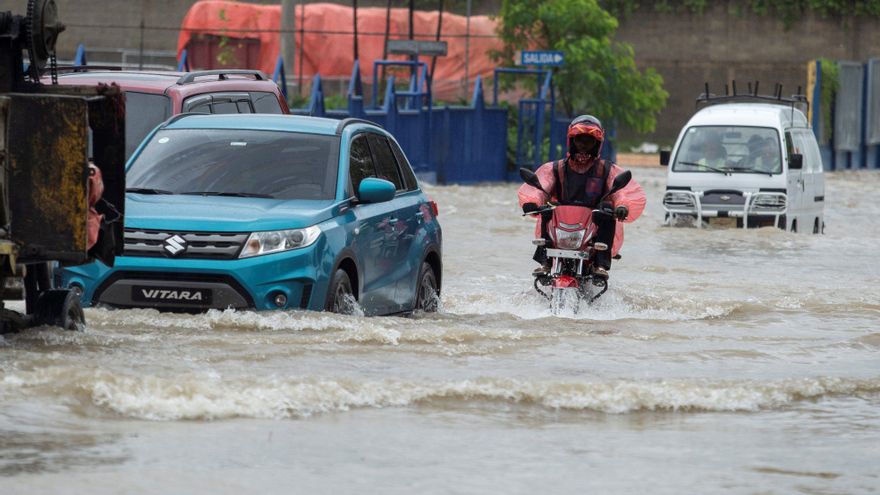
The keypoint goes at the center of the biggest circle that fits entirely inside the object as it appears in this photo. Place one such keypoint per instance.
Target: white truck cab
(746, 165)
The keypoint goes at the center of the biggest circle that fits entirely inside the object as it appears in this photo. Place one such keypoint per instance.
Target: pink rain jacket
(96, 190)
(632, 196)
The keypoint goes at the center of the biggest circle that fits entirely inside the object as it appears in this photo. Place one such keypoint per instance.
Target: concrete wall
(721, 45)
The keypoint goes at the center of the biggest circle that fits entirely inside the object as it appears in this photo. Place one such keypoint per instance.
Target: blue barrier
(279, 74)
(854, 142)
(79, 59)
(183, 63)
(449, 144)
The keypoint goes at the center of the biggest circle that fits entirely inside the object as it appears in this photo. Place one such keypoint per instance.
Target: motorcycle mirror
(530, 178)
(619, 183)
(621, 180)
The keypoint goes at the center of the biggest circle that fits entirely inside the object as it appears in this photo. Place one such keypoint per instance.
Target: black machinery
(48, 135)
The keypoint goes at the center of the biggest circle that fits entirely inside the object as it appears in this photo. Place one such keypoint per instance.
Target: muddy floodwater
(720, 361)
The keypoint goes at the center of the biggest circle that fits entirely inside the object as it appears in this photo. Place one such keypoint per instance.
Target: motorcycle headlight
(275, 241)
(569, 240)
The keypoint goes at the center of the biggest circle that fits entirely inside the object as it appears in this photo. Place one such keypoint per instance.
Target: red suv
(154, 96)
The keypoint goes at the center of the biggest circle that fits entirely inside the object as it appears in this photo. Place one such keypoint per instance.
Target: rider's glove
(529, 207)
(621, 212)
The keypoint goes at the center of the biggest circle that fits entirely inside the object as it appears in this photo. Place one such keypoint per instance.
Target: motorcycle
(572, 247)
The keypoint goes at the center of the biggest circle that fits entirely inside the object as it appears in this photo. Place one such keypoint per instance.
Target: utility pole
(467, 51)
(288, 34)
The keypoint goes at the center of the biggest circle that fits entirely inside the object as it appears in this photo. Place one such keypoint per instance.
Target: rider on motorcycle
(581, 179)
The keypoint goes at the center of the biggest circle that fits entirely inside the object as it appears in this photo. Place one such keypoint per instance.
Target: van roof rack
(797, 100)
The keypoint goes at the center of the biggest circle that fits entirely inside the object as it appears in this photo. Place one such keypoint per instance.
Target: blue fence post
(316, 99)
(356, 92)
(79, 59)
(279, 74)
(183, 63)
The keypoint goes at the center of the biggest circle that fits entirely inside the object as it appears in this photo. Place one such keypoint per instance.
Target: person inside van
(714, 154)
(767, 159)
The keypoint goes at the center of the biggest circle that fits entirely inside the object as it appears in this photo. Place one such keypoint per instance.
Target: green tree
(600, 76)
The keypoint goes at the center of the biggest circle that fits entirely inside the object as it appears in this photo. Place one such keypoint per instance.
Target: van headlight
(275, 241)
(678, 199)
(774, 202)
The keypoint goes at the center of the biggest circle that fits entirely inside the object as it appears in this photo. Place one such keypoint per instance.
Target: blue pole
(79, 59)
(183, 63)
(279, 74)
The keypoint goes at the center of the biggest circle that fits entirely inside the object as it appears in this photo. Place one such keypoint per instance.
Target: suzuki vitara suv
(271, 212)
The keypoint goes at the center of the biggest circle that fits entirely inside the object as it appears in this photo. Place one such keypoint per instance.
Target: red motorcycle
(572, 248)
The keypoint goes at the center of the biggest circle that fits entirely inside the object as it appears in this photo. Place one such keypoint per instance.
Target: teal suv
(271, 212)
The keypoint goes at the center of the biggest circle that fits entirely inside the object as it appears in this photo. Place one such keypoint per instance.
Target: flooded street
(719, 361)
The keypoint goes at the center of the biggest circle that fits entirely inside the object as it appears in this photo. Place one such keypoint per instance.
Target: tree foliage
(600, 76)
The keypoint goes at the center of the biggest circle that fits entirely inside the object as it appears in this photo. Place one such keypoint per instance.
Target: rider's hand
(529, 207)
(621, 212)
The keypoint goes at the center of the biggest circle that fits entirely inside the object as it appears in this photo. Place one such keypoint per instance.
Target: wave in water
(208, 397)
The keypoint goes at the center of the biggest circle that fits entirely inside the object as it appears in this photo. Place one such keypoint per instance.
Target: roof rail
(180, 116)
(222, 74)
(351, 120)
(797, 100)
(87, 68)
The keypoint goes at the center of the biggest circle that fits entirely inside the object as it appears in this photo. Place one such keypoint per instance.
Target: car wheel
(427, 295)
(342, 299)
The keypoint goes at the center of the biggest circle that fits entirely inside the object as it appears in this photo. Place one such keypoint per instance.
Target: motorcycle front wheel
(564, 300)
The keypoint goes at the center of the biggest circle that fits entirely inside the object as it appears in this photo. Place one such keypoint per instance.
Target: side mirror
(530, 178)
(372, 190)
(621, 181)
(664, 157)
(796, 161)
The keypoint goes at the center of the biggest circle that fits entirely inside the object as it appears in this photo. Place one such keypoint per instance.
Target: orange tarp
(328, 41)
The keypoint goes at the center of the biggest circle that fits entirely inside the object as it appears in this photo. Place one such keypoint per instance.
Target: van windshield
(229, 162)
(730, 150)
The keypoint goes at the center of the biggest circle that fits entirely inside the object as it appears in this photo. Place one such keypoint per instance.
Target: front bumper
(300, 276)
(753, 208)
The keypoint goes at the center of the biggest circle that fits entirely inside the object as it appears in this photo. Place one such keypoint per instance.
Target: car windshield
(729, 150)
(245, 163)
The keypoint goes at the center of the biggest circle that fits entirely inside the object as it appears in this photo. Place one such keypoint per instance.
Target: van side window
(812, 157)
(789, 145)
(360, 161)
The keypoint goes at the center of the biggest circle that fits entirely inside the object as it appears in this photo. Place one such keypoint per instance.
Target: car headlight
(275, 241)
(569, 240)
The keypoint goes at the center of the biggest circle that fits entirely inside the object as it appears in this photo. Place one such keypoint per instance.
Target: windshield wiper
(233, 194)
(724, 171)
(749, 170)
(147, 190)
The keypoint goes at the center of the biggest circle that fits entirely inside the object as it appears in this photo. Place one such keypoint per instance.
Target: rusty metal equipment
(48, 135)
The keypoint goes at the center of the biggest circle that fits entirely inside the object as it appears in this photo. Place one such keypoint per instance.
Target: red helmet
(589, 125)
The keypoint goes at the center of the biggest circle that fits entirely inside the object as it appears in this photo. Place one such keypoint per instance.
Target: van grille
(198, 245)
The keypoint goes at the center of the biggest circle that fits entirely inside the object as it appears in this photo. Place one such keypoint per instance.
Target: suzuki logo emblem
(175, 245)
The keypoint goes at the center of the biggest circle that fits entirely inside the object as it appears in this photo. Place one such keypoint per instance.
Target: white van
(746, 165)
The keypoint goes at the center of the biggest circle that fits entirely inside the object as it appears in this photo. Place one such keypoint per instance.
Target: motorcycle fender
(565, 282)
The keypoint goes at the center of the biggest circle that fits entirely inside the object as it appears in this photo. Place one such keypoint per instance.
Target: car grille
(198, 245)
